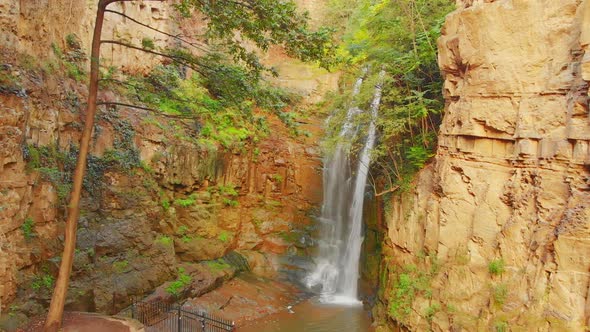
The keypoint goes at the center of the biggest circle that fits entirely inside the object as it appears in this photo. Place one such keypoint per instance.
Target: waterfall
(337, 265)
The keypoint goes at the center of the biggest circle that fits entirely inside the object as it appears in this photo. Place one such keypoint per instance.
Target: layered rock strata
(496, 233)
(170, 203)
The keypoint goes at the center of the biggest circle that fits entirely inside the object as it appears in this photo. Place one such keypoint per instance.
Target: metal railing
(165, 317)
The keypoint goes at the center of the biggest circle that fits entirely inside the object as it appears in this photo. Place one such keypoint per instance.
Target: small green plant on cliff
(224, 236)
(120, 266)
(496, 267)
(148, 43)
(409, 284)
(277, 178)
(290, 237)
(164, 240)
(43, 281)
(28, 228)
(185, 202)
(224, 190)
(218, 265)
(9, 82)
(72, 59)
(431, 311)
(499, 294)
(230, 202)
(182, 230)
(500, 326)
(180, 283)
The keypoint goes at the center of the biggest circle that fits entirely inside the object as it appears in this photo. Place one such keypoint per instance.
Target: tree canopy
(400, 37)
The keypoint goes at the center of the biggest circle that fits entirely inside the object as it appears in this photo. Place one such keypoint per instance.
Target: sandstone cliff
(170, 203)
(496, 233)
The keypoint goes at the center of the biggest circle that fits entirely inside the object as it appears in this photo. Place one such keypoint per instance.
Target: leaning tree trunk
(56, 308)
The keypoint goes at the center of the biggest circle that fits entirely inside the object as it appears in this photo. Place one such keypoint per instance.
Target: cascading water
(337, 264)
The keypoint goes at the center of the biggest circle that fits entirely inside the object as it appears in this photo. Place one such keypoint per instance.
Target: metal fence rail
(165, 317)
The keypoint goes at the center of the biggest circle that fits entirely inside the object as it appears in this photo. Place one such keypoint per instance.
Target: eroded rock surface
(175, 202)
(510, 182)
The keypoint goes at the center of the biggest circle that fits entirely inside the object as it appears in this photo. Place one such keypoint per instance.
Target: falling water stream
(336, 273)
(337, 265)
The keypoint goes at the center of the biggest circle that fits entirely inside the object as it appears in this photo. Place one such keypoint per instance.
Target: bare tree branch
(153, 110)
(178, 59)
(177, 37)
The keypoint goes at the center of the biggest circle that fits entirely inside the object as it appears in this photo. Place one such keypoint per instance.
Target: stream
(314, 316)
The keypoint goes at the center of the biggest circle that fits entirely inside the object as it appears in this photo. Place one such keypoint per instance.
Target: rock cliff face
(158, 203)
(496, 233)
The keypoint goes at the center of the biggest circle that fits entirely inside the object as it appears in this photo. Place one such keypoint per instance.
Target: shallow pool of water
(312, 316)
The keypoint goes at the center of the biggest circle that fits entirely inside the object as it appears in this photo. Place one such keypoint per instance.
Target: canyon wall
(495, 234)
(158, 203)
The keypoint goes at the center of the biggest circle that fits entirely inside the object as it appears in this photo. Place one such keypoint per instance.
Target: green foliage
(9, 83)
(120, 266)
(53, 166)
(146, 167)
(500, 326)
(72, 58)
(164, 240)
(273, 203)
(148, 43)
(28, 228)
(496, 267)
(277, 178)
(410, 283)
(230, 202)
(227, 84)
(224, 190)
(165, 204)
(182, 230)
(180, 283)
(265, 23)
(225, 236)
(43, 281)
(431, 311)
(290, 237)
(218, 265)
(185, 202)
(500, 293)
(400, 38)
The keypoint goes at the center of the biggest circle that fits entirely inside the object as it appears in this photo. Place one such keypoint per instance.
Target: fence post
(179, 320)
(133, 310)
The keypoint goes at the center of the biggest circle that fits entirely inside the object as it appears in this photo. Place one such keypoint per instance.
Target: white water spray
(337, 269)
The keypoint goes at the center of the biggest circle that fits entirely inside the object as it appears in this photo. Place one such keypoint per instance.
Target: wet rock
(245, 298)
(259, 263)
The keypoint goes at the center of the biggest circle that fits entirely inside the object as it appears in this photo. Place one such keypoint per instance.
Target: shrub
(224, 236)
(181, 281)
(500, 293)
(500, 326)
(28, 228)
(431, 311)
(185, 202)
(165, 240)
(120, 266)
(218, 265)
(496, 267)
(43, 281)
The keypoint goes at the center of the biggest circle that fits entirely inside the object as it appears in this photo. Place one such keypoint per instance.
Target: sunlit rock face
(134, 233)
(511, 177)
